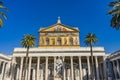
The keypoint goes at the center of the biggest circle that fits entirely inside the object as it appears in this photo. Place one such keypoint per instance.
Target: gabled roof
(64, 27)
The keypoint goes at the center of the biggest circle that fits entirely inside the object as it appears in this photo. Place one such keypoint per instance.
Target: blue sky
(27, 16)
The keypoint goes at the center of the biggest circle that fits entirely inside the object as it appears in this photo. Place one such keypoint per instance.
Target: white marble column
(3, 69)
(97, 70)
(29, 69)
(72, 75)
(118, 70)
(41, 74)
(64, 76)
(12, 68)
(38, 66)
(17, 74)
(33, 77)
(21, 68)
(88, 65)
(0, 65)
(114, 69)
(101, 70)
(68, 74)
(46, 69)
(54, 67)
(104, 68)
(80, 68)
(26, 74)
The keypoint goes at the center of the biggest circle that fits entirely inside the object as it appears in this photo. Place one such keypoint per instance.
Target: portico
(41, 65)
(5, 62)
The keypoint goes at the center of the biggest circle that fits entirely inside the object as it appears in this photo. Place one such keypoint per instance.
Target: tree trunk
(92, 62)
(26, 61)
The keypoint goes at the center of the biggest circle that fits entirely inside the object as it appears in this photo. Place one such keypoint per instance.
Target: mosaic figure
(65, 41)
(41, 41)
(76, 41)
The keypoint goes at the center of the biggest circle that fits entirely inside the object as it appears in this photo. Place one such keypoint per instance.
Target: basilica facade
(58, 53)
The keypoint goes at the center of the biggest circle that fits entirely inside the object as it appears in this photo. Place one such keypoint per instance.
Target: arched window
(59, 42)
(47, 41)
(71, 41)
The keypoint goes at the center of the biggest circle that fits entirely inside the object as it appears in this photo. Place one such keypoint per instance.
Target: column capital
(116, 59)
(22, 57)
(104, 57)
(30, 57)
(113, 61)
(87, 56)
(96, 56)
(63, 56)
(38, 57)
(13, 58)
(46, 56)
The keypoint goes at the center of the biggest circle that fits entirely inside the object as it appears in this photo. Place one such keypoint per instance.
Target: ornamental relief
(59, 34)
(59, 28)
(59, 41)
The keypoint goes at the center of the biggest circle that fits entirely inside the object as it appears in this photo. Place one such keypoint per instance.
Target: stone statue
(59, 67)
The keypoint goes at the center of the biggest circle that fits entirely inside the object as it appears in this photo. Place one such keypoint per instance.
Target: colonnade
(114, 69)
(4, 70)
(98, 68)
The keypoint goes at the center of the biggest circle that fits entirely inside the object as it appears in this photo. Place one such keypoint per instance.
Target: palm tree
(89, 40)
(115, 12)
(2, 14)
(27, 42)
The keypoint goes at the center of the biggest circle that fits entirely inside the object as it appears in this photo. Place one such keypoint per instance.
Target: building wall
(59, 35)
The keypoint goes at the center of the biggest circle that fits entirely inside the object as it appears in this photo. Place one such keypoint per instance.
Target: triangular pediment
(59, 28)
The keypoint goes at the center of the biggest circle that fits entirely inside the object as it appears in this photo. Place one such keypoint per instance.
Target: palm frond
(3, 14)
(111, 4)
(28, 41)
(1, 22)
(115, 21)
(112, 11)
(115, 12)
(90, 39)
(3, 7)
